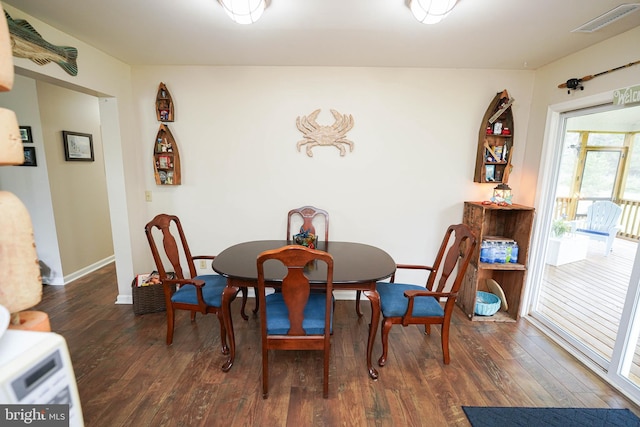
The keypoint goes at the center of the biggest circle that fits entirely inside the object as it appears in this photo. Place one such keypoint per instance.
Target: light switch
(148, 196)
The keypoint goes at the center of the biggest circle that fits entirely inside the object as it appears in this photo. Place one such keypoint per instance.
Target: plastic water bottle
(487, 252)
(484, 251)
(514, 252)
(500, 252)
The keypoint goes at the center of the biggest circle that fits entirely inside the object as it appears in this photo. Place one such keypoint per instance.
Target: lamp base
(31, 321)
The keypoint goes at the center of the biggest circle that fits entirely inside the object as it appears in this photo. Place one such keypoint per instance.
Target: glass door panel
(599, 175)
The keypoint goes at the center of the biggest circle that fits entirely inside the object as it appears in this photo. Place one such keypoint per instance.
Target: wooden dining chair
(296, 318)
(433, 304)
(184, 290)
(308, 215)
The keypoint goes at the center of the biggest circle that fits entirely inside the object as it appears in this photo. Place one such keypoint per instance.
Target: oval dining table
(356, 266)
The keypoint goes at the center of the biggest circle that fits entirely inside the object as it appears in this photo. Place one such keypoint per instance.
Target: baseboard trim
(88, 269)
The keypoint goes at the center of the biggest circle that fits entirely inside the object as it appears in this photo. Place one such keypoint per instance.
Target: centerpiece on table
(306, 238)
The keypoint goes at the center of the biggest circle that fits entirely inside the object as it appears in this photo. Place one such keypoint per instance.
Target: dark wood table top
(353, 263)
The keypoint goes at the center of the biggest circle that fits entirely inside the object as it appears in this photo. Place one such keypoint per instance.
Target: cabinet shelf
(499, 266)
(512, 222)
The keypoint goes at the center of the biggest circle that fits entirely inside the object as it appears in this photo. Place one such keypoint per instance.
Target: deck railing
(566, 207)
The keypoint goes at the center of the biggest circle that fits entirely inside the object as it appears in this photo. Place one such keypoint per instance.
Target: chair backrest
(602, 216)
(308, 213)
(454, 256)
(175, 251)
(296, 288)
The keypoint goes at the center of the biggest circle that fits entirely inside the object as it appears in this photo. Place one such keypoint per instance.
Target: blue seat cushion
(278, 314)
(394, 304)
(214, 284)
(601, 233)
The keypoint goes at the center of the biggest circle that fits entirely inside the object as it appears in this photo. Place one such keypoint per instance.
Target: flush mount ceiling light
(244, 11)
(431, 11)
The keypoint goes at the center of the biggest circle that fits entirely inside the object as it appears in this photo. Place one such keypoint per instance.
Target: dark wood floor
(128, 376)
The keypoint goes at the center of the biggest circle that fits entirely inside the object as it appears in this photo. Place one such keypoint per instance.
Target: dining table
(356, 266)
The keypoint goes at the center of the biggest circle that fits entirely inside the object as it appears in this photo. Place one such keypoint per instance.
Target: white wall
(415, 137)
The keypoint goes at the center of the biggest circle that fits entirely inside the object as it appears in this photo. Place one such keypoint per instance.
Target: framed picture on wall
(29, 156)
(25, 134)
(77, 146)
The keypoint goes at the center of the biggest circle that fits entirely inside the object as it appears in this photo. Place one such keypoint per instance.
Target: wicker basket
(487, 304)
(148, 299)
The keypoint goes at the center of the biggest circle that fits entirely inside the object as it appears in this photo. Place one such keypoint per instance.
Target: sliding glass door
(584, 295)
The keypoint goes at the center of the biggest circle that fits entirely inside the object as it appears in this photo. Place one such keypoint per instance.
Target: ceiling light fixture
(244, 11)
(431, 11)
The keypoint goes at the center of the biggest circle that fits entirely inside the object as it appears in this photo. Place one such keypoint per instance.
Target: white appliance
(35, 368)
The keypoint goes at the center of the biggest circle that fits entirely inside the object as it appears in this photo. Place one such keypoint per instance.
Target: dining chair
(308, 214)
(295, 318)
(433, 304)
(185, 291)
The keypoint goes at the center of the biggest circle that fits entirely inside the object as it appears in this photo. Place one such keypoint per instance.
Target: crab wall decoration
(317, 135)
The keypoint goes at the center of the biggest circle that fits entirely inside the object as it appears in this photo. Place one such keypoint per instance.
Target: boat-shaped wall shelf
(164, 104)
(495, 141)
(166, 158)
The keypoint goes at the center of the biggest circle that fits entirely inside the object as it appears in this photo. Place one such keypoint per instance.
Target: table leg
(228, 295)
(374, 297)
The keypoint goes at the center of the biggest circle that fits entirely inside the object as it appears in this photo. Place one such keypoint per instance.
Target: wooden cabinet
(495, 141)
(511, 222)
(166, 158)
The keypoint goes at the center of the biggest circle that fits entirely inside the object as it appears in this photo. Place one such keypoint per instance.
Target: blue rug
(481, 416)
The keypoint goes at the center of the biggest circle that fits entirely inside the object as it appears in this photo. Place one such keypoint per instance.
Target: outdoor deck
(586, 297)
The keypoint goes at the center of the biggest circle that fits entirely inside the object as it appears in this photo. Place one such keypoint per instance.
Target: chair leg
(244, 291)
(325, 385)
(609, 245)
(265, 373)
(445, 343)
(257, 307)
(171, 318)
(193, 316)
(358, 293)
(384, 333)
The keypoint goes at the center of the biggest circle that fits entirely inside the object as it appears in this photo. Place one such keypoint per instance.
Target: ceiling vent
(607, 18)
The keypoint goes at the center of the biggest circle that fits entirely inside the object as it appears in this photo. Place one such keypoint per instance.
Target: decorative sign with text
(626, 96)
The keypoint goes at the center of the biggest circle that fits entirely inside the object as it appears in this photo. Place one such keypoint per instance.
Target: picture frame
(490, 171)
(30, 156)
(78, 146)
(25, 134)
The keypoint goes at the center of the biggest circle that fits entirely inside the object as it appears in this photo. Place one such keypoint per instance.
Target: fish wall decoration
(27, 43)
